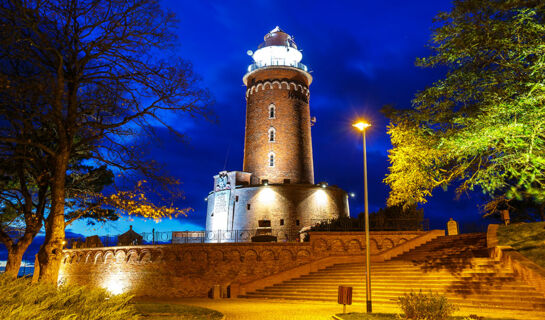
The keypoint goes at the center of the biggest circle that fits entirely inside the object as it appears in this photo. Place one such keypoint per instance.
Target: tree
(25, 198)
(25, 192)
(481, 126)
(97, 72)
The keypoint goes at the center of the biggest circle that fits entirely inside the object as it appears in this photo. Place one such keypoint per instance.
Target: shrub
(22, 300)
(419, 306)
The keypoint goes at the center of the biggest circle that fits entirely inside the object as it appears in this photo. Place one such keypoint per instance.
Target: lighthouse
(278, 144)
(275, 194)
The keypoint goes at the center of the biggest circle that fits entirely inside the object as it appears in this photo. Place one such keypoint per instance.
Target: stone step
(417, 278)
(513, 295)
(386, 286)
(456, 266)
(461, 302)
(422, 272)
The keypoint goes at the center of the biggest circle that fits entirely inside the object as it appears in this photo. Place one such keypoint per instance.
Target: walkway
(257, 309)
(264, 309)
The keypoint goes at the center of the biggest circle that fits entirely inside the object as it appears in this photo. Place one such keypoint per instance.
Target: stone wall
(190, 270)
(289, 208)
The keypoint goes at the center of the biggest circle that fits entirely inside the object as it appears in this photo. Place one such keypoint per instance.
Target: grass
(21, 300)
(526, 238)
(388, 316)
(163, 311)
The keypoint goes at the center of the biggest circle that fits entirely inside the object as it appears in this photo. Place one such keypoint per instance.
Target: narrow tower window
(272, 111)
(271, 159)
(272, 135)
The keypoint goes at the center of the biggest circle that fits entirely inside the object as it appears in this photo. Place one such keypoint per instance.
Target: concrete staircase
(456, 266)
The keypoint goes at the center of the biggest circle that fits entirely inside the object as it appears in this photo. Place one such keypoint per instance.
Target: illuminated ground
(257, 309)
(254, 309)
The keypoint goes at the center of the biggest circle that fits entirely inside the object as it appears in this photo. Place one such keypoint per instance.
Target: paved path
(256, 309)
(264, 309)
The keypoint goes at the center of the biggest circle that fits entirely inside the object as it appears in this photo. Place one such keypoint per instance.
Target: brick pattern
(288, 91)
(190, 270)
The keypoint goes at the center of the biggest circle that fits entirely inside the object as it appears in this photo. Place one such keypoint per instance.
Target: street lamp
(361, 126)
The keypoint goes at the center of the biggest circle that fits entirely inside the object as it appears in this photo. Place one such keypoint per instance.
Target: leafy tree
(482, 125)
(25, 198)
(97, 79)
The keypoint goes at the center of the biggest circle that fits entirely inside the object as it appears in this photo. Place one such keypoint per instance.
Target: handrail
(277, 62)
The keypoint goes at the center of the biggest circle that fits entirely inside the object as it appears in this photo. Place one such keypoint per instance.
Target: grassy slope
(526, 238)
(176, 311)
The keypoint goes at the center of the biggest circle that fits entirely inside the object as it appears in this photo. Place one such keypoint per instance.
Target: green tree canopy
(482, 125)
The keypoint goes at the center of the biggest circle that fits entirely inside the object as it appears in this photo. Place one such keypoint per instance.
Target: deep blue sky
(361, 54)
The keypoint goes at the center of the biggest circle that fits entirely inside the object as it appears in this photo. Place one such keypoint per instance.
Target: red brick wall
(190, 270)
(287, 89)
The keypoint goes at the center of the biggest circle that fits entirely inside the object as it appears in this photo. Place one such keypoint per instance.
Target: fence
(246, 235)
(351, 224)
(204, 236)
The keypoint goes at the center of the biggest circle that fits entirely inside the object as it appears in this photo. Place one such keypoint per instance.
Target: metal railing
(203, 236)
(374, 225)
(278, 62)
(219, 236)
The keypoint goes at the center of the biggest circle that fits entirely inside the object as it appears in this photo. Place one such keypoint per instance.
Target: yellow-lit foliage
(131, 202)
(481, 127)
(410, 178)
(135, 202)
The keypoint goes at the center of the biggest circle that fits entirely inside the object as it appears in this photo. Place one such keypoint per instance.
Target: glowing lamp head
(361, 125)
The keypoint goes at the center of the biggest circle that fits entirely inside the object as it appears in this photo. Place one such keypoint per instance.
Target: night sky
(361, 55)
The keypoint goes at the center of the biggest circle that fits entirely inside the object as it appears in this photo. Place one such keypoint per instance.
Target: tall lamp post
(361, 126)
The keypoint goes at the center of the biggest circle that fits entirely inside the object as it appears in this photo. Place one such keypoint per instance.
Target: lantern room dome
(278, 49)
(277, 37)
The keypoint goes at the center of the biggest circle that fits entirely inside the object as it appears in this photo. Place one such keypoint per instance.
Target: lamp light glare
(352, 195)
(361, 125)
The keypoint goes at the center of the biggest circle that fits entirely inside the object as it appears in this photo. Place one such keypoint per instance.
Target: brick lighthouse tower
(275, 195)
(278, 145)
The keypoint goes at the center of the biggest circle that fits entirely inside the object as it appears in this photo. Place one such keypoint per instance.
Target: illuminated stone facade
(276, 188)
(192, 269)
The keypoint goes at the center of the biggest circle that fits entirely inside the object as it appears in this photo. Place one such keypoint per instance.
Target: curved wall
(288, 207)
(191, 270)
(287, 89)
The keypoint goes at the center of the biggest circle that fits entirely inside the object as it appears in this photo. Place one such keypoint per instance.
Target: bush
(419, 306)
(22, 300)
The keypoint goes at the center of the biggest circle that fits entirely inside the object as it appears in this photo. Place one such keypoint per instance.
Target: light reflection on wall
(115, 279)
(267, 196)
(115, 283)
(320, 197)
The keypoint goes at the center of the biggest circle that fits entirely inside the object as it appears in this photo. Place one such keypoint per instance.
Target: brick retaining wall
(190, 270)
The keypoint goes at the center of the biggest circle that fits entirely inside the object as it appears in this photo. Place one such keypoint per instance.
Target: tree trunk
(14, 263)
(50, 253)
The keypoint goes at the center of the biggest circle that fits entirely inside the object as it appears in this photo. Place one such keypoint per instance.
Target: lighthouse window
(271, 159)
(272, 135)
(272, 110)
